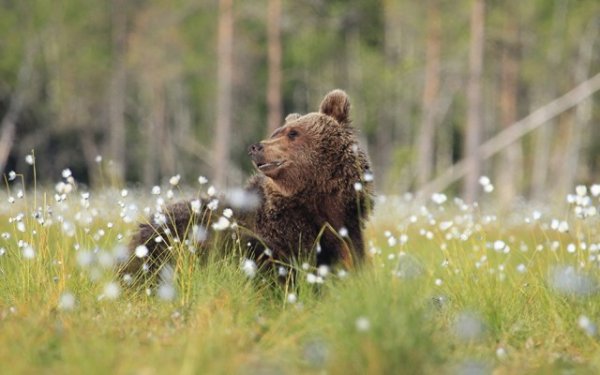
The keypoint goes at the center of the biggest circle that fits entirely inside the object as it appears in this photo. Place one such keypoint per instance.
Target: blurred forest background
(159, 88)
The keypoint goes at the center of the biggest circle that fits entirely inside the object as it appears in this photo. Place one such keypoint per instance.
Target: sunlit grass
(448, 288)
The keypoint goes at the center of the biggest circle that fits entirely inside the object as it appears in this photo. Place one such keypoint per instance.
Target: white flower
(368, 177)
(587, 326)
(174, 181)
(211, 191)
(98, 159)
(292, 298)
(195, 205)
(12, 175)
(202, 180)
(488, 188)
(439, 198)
(66, 302)
(249, 268)
(595, 190)
(124, 193)
(222, 224)
(362, 324)
(112, 290)
(563, 227)
(213, 204)
(141, 251)
(581, 190)
(66, 173)
(499, 245)
(438, 282)
(358, 186)
(228, 213)
(343, 232)
(28, 252)
(156, 190)
(484, 180)
(323, 270)
(29, 159)
(166, 292)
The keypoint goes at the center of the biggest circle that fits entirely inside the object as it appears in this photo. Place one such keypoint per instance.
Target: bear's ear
(291, 117)
(337, 105)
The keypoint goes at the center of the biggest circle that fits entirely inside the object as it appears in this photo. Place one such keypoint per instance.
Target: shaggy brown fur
(314, 188)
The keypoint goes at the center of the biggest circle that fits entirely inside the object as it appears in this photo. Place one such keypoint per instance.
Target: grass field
(449, 288)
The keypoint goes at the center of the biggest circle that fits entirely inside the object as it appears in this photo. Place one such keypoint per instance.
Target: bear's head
(313, 152)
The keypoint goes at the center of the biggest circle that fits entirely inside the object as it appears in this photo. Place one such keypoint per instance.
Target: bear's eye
(292, 134)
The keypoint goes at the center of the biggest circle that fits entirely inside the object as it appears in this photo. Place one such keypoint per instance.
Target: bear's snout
(255, 148)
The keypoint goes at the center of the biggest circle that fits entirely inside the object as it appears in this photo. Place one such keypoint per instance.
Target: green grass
(435, 303)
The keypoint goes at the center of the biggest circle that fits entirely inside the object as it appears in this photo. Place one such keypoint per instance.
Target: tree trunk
(8, 125)
(117, 92)
(474, 102)
(510, 164)
(515, 132)
(543, 137)
(582, 115)
(426, 139)
(274, 106)
(224, 92)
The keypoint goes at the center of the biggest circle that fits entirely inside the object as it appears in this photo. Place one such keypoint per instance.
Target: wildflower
(66, 302)
(28, 252)
(141, 251)
(66, 173)
(228, 213)
(362, 324)
(499, 245)
(438, 282)
(484, 180)
(323, 270)
(501, 353)
(358, 186)
(166, 292)
(12, 175)
(222, 224)
(156, 190)
(124, 193)
(368, 177)
(282, 271)
(241, 199)
(571, 248)
(595, 190)
(213, 204)
(581, 190)
(20, 194)
(211, 191)
(249, 268)
(21, 227)
(2, 251)
(439, 198)
(521, 268)
(98, 159)
(195, 205)
(292, 298)
(202, 180)
(30, 159)
(343, 232)
(111, 290)
(587, 326)
(199, 234)
(174, 181)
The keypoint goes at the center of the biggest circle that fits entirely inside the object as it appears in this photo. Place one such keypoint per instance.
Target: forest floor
(449, 288)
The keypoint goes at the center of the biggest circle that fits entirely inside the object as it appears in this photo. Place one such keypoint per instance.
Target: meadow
(449, 288)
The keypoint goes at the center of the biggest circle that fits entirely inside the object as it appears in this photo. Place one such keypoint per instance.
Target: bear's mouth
(263, 166)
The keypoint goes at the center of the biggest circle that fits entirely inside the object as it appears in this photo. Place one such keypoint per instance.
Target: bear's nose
(253, 149)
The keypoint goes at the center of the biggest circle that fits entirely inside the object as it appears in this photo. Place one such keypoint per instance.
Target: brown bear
(313, 192)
